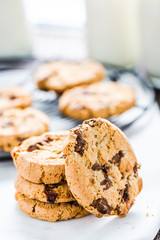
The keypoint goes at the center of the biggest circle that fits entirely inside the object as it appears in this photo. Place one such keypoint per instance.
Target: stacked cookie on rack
(60, 76)
(18, 121)
(42, 190)
(104, 99)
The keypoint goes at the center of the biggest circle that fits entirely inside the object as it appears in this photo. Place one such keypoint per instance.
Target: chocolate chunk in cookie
(80, 143)
(102, 206)
(117, 157)
(125, 196)
(51, 195)
(96, 167)
(32, 147)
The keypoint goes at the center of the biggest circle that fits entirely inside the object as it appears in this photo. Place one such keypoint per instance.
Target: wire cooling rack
(48, 102)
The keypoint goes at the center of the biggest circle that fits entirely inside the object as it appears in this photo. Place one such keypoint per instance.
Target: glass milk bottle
(112, 31)
(14, 36)
(150, 36)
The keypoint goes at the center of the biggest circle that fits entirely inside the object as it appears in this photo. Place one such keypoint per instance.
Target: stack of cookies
(90, 169)
(18, 121)
(41, 186)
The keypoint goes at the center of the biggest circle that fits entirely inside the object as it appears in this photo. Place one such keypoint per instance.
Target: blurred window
(56, 13)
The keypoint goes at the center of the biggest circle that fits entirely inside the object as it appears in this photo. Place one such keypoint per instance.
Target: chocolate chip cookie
(62, 75)
(11, 97)
(50, 212)
(51, 193)
(40, 159)
(101, 168)
(104, 99)
(18, 124)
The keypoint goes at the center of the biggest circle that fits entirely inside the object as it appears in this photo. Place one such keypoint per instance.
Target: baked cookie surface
(18, 124)
(61, 75)
(50, 212)
(102, 99)
(11, 97)
(51, 193)
(101, 168)
(40, 159)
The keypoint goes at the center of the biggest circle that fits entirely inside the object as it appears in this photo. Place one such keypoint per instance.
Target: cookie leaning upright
(101, 168)
(11, 97)
(17, 124)
(62, 75)
(40, 159)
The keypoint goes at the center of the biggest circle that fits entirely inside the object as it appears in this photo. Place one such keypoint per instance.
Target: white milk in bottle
(112, 31)
(150, 36)
(14, 35)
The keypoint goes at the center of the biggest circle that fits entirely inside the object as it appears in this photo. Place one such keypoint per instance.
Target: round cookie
(52, 193)
(18, 124)
(101, 168)
(40, 159)
(50, 212)
(103, 99)
(62, 75)
(11, 97)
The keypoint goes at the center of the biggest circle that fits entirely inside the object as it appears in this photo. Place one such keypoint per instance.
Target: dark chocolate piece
(105, 168)
(40, 143)
(50, 193)
(91, 122)
(20, 139)
(48, 140)
(92, 181)
(96, 167)
(107, 182)
(34, 208)
(126, 196)
(12, 97)
(81, 142)
(102, 206)
(117, 209)
(135, 168)
(117, 157)
(32, 148)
